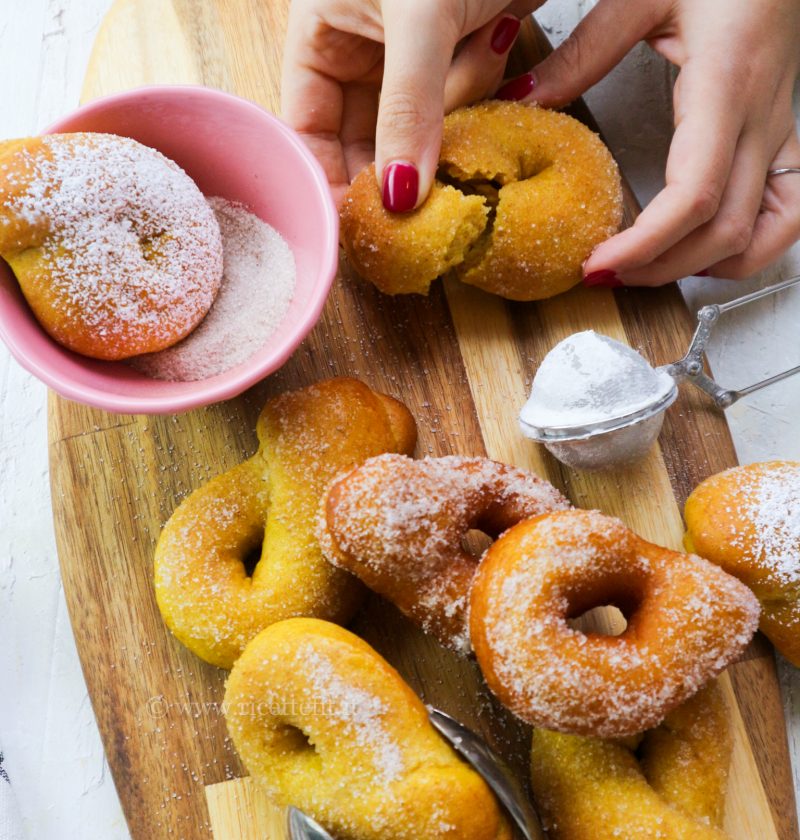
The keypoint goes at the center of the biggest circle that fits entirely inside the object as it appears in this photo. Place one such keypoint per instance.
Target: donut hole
(603, 620)
(488, 188)
(290, 738)
(605, 607)
(251, 558)
(475, 542)
(150, 245)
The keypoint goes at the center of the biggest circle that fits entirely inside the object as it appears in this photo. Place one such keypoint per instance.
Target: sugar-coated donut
(113, 245)
(686, 621)
(307, 437)
(328, 726)
(747, 520)
(398, 525)
(669, 784)
(522, 197)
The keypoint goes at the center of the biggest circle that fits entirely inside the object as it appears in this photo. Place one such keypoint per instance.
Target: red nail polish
(517, 88)
(605, 278)
(504, 35)
(400, 187)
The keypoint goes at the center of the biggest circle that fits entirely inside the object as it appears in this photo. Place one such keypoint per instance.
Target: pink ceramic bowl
(231, 148)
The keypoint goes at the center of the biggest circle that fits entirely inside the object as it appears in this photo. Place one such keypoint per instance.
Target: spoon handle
(690, 367)
(493, 769)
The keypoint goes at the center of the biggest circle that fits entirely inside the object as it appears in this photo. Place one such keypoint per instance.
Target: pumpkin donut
(325, 724)
(747, 520)
(686, 621)
(522, 197)
(113, 245)
(669, 783)
(398, 525)
(204, 591)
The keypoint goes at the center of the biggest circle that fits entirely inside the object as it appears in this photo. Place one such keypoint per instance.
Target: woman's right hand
(372, 79)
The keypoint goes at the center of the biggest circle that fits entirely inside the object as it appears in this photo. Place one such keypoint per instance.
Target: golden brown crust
(327, 725)
(687, 620)
(747, 520)
(405, 253)
(550, 189)
(671, 788)
(271, 500)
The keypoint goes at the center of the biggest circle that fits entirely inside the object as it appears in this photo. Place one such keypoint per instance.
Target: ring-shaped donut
(114, 246)
(398, 525)
(325, 724)
(207, 596)
(522, 197)
(686, 621)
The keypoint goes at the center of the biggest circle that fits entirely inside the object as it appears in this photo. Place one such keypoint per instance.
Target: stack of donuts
(630, 729)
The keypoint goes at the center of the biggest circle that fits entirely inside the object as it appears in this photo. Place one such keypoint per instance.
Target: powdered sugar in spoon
(596, 403)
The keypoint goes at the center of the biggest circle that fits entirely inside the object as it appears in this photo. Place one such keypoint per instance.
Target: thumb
(419, 48)
(597, 44)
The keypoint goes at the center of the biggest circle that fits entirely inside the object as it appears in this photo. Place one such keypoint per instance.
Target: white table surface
(47, 729)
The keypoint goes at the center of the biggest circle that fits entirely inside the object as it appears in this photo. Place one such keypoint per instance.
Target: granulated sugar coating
(325, 724)
(398, 524)
(113, 244)
(257, 288)
(590, 378)
(747, 519)
(771, 502)
(687, 621)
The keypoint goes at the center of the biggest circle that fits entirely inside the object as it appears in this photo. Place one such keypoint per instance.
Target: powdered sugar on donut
(131, 253)
(257, 287)
(690, 621)
(398, 525)
(769, 505)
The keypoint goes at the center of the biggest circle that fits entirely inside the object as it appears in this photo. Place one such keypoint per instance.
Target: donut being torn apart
(521, 198)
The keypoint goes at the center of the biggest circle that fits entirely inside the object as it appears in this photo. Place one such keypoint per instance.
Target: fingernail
(400, 187)
(517, 88)
(703, 273)
(504, 35)
(605, 278)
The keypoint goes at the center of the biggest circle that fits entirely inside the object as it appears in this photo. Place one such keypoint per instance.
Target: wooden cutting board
(462, 361)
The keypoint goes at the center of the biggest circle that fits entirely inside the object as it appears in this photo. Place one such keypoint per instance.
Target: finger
(360, 114)
(777, 227)
(420, 40)
(728, 233)
(311, 103)
(597, 44)
(478, 68)
(709, 121)
(313, 106)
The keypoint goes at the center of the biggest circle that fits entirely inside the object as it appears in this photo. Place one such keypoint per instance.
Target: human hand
(733, 122)
(351, 66)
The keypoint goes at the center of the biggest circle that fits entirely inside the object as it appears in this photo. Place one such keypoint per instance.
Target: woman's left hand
(719, 213)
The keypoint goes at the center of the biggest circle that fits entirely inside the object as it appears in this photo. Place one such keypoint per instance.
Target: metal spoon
(302, 827)
(495, 772)
(626, 438)
(477, 752)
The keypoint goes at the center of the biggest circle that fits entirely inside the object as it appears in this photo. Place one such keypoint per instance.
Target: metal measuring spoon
(627, 437)
(476, 752)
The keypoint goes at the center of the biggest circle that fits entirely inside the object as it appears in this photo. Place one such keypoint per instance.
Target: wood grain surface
(462, 361)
